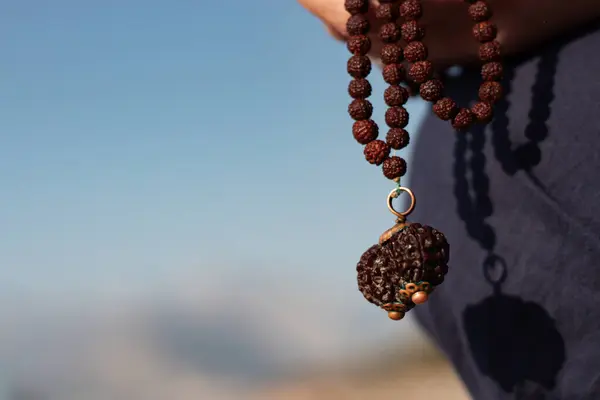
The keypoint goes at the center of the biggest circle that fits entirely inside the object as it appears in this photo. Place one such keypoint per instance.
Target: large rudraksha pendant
(404, 268)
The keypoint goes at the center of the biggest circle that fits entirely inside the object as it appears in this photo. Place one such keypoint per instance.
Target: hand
(522, 24)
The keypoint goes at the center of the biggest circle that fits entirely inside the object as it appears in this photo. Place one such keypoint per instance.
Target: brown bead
(415, 51)
(492, 71)
(396, 117)
(365, 131)
(359, 66)
(432, 90)
(389, 32)
(420, 71)
(411, 9)
(395, 95)
(359, 45)
(445, 108)
(360, 109)
(395, 315)
(391, 54)
(359, 88)
(356, 6)
(480, 11)
(387, 12)
(490, 92)
(489, 51)
(394, 167)
(463, 120)
(376, 151)
(397, 138)
(357, 25)
(482, 111)
(393, 74)
(411, 31)
(485, 31)
(420, 297)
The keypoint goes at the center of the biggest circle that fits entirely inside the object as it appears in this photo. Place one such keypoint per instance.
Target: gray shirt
(519, 200)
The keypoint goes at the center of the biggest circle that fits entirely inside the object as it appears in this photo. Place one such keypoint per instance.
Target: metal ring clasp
(394, 194)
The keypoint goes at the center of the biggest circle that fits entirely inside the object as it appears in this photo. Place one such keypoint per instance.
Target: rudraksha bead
(360, 109)
(480, 11)
(387, 12)
(415, 51)
(389, 32)
(485, 31)
(482, 111)
(359, 89)
(490, 92)
(411, 9)
(376, 151)
(356, 6)
(489, 51)
(445, 108)
(359, 45)
(357, 25)
(365, 131)
(396, 117)
(395, 95)
(463, 120)
(397, 138)
(492, 71)
(432, 90)
(420, 71)
(412, 31)
(394, 167)
(416, 253)
(359, 66)
(393, 74)
(391, 54)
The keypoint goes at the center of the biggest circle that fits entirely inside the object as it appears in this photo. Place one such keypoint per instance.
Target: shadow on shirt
(514, 342)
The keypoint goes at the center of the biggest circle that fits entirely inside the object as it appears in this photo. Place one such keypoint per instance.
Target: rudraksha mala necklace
(411, 259)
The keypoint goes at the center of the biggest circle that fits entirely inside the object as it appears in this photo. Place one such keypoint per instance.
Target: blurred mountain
(227, 337)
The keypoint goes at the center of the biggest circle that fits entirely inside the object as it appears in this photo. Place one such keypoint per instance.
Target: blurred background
(183, 206)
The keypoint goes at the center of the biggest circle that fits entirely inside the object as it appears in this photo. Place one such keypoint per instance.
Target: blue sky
(143, 139)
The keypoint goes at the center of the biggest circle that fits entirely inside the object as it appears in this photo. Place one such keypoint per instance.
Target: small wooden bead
(419, 297)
